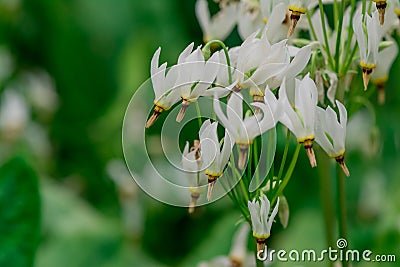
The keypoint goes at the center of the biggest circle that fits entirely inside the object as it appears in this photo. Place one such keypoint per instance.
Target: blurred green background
(67, 72)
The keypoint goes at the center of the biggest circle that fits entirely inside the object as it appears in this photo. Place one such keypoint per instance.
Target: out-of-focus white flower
(244, 130)
(368, 42)
(260, 221)
(396, 10)
(250, 18)
(321, 78)
(14, 113)
(164, 83)
(331, 133)
(380, 75)
(213, 159)
(299, 114)
(41, 91)
(195, 76)
(191, 164)
(238, 256)
(220, 25)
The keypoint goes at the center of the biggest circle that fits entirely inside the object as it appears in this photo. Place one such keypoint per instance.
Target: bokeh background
(67, 72)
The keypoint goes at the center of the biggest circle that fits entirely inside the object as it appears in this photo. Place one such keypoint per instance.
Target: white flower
(239, 255)
(164, 83)
(260, 221)
(254, 15)
(299, 114)
(213, 159)
(274, 14)
(14, 113)
(244, 130)
(326, 76)
(222, 79)
(380, 75)
(195, 76)
(331, 133)
(259, 62)
(368, 42)
(220, 25)
(191, 164)
(250, 19)
(292, 68)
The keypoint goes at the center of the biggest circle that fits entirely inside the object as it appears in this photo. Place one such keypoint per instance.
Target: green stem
(339, 33)
(284, 157)
(341, 201)
(311, 26)
(348, 50)
(257, 173)
(326, 196)
(288, 175)
(198, 114)
(228, 60)
(322, 13)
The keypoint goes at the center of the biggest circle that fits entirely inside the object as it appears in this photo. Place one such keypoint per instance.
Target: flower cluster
(287, 79)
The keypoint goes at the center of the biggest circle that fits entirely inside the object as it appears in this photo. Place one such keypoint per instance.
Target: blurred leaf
(19, 214)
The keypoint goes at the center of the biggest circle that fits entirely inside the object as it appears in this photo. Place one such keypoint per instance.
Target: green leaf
(19, 214)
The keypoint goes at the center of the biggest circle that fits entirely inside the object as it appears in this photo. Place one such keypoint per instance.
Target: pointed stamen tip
(152, 119)
(260, 245)
(381, 10)
(311, 155)
(366, 77)
(182, 112)
(342, 164)
(210, 190)
(293, 22)
(345, 169)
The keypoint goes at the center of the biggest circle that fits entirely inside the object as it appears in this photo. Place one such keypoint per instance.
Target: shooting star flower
(214, 159)
(368, 43)
(195, 76)
(331, 133)
(165, 83)
(299, 116)
(220, 25)
(380, 76)
(260, 221)
(244, 130)
(191, 163)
